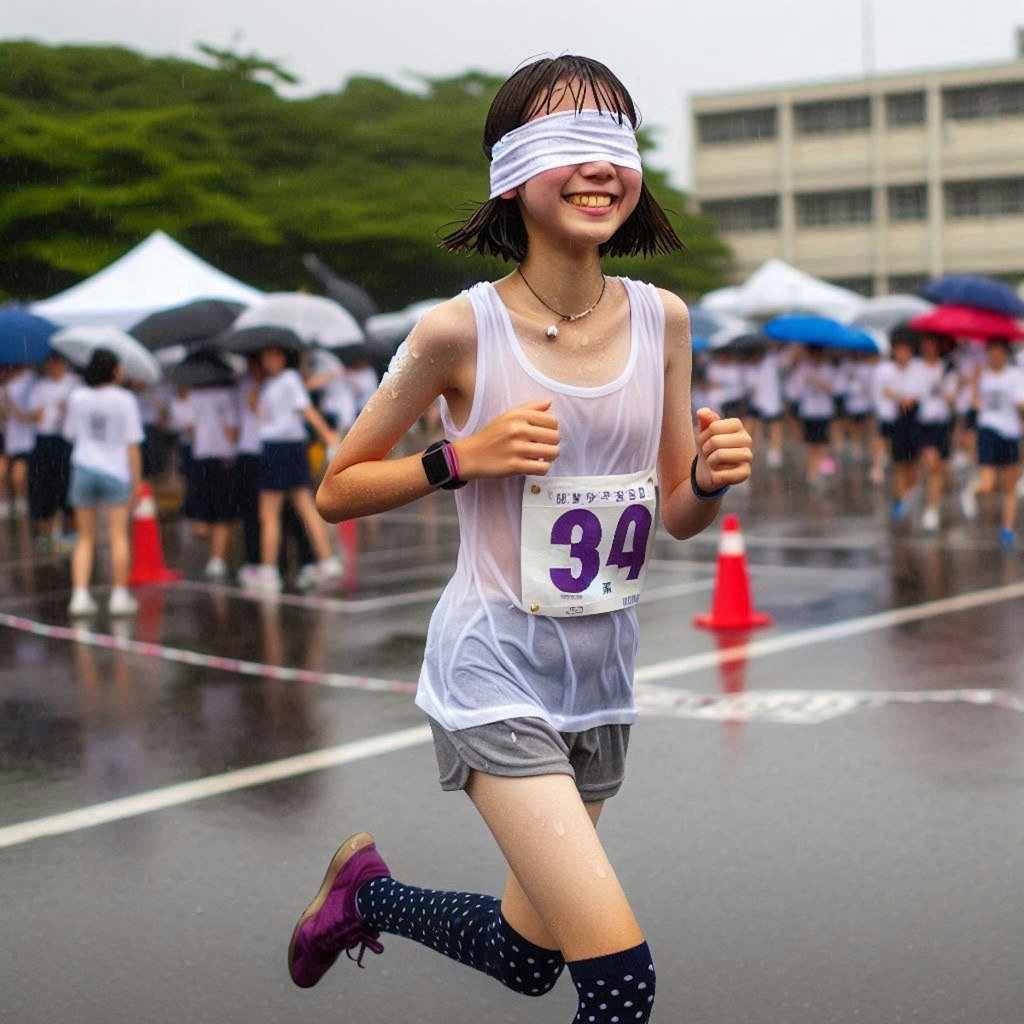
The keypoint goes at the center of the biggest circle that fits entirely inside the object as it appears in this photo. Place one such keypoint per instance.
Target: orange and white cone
(147, 549)
(732, 606)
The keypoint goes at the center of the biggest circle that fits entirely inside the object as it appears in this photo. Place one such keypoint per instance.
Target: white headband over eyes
(561, 140)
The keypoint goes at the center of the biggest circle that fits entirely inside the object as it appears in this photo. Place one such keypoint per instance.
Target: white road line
(212, 785)
(833, 631)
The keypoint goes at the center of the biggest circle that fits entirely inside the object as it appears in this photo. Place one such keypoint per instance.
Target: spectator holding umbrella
(815, 407)
(105, 430)
(19, 433)
(999, 400)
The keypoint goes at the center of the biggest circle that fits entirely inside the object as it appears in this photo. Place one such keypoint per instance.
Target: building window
(908, 202)
(833, 117)
(827, 209)
(860, 285)
(759, 213)
(906, 284)
(984, 101)
(995, 198)
(738, 126)
(904, 108)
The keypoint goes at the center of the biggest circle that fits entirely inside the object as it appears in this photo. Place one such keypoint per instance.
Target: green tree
(101, 146)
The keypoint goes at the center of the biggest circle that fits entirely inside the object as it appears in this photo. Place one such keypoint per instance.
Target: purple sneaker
(332, 922)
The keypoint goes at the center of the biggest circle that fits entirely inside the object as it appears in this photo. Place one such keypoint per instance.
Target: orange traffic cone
(147, 550)
(731, 607)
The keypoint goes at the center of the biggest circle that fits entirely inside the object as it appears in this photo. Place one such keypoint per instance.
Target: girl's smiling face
(582, 203)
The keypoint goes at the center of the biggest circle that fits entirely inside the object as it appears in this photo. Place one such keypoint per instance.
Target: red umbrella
(967, 322)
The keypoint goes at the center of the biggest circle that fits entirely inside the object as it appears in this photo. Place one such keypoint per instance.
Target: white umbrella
(393, 327)
(77, 345)
(315, 319)
(886, 311)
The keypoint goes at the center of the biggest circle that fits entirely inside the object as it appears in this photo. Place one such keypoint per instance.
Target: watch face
(435, 465)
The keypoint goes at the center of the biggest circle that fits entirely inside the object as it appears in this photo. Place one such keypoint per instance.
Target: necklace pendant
(552, 332)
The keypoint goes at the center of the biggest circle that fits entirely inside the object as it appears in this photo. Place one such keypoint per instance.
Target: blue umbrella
(820, 330)
(972, 290)
(24, 338)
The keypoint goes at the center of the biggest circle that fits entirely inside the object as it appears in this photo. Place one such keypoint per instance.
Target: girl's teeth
(588, 200)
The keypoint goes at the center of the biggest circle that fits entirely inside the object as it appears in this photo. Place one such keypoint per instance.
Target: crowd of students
(932, 409)
(73, 444)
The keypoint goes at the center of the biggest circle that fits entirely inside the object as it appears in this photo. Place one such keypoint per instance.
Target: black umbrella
(202, 370)
(356, 299)
(746, 345)
(190, 324)
(250, 340)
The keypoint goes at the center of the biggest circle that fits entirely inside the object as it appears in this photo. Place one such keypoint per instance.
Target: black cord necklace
(552, 331)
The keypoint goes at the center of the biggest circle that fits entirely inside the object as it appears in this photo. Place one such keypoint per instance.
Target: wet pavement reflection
(859, 862)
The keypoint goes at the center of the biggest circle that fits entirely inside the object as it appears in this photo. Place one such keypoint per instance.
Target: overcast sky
(662, 49)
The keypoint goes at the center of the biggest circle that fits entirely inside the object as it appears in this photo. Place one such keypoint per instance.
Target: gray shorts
(517, 747)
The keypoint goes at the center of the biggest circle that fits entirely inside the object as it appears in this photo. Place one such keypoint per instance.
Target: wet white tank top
(487, 657)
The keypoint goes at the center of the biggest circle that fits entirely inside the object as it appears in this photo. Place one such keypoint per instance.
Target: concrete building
(874, 183)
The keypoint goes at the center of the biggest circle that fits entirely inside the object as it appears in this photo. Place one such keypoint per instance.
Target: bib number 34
(581, 530)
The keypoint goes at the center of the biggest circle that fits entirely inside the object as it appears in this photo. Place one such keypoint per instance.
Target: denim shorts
(90, 488)
(518, 747)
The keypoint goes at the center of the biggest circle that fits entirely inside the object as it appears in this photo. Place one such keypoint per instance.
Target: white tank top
(487, 658)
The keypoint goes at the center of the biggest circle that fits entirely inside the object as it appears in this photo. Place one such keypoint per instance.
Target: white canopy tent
(157, 274)
(776, 288)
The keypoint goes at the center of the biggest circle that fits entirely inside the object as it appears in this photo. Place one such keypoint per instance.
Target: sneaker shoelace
(348, 935)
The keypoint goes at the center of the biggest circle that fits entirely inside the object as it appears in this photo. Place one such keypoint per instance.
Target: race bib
(586, 542)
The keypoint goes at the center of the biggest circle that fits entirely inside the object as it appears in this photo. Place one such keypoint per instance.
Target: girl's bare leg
(1008, 485)
(85, 548)
(270, 526)
(118, 517)
(549, 841)
(302, 501)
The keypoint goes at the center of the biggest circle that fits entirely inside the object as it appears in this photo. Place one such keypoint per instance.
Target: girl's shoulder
(446, 328)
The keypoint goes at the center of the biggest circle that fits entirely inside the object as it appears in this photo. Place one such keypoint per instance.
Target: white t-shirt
(50, 397)
(725, 383)
(363, 382)
(859, 388)
(100, 424)
(1000, 395)
(19, 436)
(248, 419)
(764, 383)
(282, 400)
(969, 361)
(904, 381)
(814, 396)
(940, 388)
(341, 401)
(215, 413)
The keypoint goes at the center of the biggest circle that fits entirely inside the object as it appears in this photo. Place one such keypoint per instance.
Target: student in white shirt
(764, 384)
(999, 401)
(900, 382)
(215, 423)
(49, 468)
(815, 406)
(935, 426)
(19, 433)
(105, 430)
(284, 410)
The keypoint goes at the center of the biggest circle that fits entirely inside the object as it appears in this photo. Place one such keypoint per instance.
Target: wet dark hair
(1001, 342)
(102, 368)
(496, 227)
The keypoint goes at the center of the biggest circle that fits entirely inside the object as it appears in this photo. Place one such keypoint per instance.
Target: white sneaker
(82, 604)
(774, 459)
(930, 520)
(122, 603)
(216, 569)
(264, 580)
(328, 569)
(969, 503)
(247, 573)
(307, 577)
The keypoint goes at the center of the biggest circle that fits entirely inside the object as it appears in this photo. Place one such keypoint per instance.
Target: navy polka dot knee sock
(615, 989)
(464, 926)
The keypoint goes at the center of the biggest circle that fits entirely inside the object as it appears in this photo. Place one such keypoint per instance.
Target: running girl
(999, 400)
(566, 393)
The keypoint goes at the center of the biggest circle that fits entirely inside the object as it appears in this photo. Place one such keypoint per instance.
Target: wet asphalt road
(865, 867)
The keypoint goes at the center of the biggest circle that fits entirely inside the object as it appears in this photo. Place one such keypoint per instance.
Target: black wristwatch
(441, 466)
